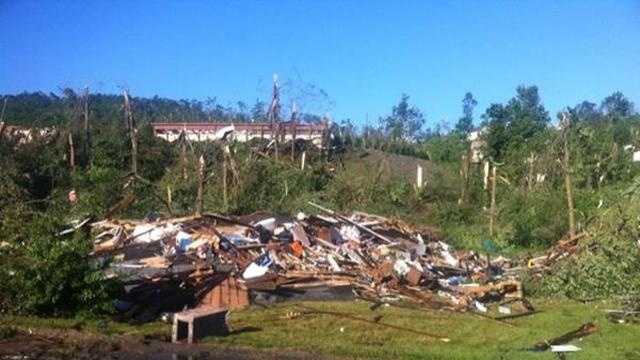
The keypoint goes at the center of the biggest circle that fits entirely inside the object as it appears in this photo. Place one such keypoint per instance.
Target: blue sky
(363, 54)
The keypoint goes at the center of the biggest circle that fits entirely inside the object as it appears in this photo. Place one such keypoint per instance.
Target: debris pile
(231, 261)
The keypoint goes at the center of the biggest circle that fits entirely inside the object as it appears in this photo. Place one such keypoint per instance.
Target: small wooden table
(197, 323)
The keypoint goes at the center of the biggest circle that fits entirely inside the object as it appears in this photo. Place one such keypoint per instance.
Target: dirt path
(63, 345)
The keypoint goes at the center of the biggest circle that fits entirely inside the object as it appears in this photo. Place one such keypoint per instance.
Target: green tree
(405, 121)
(617, 105)
(585, 111)
(258, 112)
(510, 127)
(465, 123)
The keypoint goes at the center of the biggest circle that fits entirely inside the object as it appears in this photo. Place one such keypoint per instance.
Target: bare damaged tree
(294, 115)
(225, 193)
(274, 113)
(72, 153)
(4, 107)
(492, 209)
(183, 153)
(133, 133)
(201, 183)
(464, 174)
(2, 124)
(566, 167)
(87, 130)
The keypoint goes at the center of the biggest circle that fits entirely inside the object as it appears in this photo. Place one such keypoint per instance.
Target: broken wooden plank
(584, 330)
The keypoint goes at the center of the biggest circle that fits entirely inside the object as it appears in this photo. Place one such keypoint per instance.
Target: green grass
(89, 326)
(470, 336)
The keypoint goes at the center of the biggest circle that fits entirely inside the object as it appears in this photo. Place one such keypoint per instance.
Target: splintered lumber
(584, 330)
(346, 219)
(317, 284)
(416, 268)
(228, 219)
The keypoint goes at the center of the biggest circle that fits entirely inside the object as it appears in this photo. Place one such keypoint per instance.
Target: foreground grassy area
(469, 336)
(425, 334)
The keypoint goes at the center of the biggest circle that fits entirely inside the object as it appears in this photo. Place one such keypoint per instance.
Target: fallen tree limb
(584, 330)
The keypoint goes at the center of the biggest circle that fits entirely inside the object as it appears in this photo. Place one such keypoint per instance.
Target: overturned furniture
(198, 323)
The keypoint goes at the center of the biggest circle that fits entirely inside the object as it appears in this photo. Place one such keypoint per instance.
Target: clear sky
(364, 54)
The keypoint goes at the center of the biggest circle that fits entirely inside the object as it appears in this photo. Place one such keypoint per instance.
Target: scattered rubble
(228, 262)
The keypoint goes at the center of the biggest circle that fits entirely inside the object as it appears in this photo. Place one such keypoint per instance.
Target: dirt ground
(59, 345)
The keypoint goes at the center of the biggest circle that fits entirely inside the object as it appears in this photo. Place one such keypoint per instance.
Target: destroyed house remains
(314, 133)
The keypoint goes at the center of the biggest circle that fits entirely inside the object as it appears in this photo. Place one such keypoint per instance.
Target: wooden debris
(584, 330)
(215, 260)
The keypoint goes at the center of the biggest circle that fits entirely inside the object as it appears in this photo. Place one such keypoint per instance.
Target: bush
(607, 264)
(538, 219)
(51, 275)
(607, 271)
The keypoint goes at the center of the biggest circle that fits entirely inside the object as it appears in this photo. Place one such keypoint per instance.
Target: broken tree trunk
(200, 194)
(485, 176)
(567, 175)
(87, 129)
(169, 202)
(183, 154)
(133, 136)
(492, 210)
(4, 106)
(275, 133)
(72, 154)
(464, 174)
(232, 164)
(419, 180)
(293, 141)
(530, 173)
(225, 195)
(2, 124)
(274, 114)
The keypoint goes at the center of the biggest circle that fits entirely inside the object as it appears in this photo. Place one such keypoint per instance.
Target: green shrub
(538, 219)
(52, 275)
(607, 271)
(606, 263)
